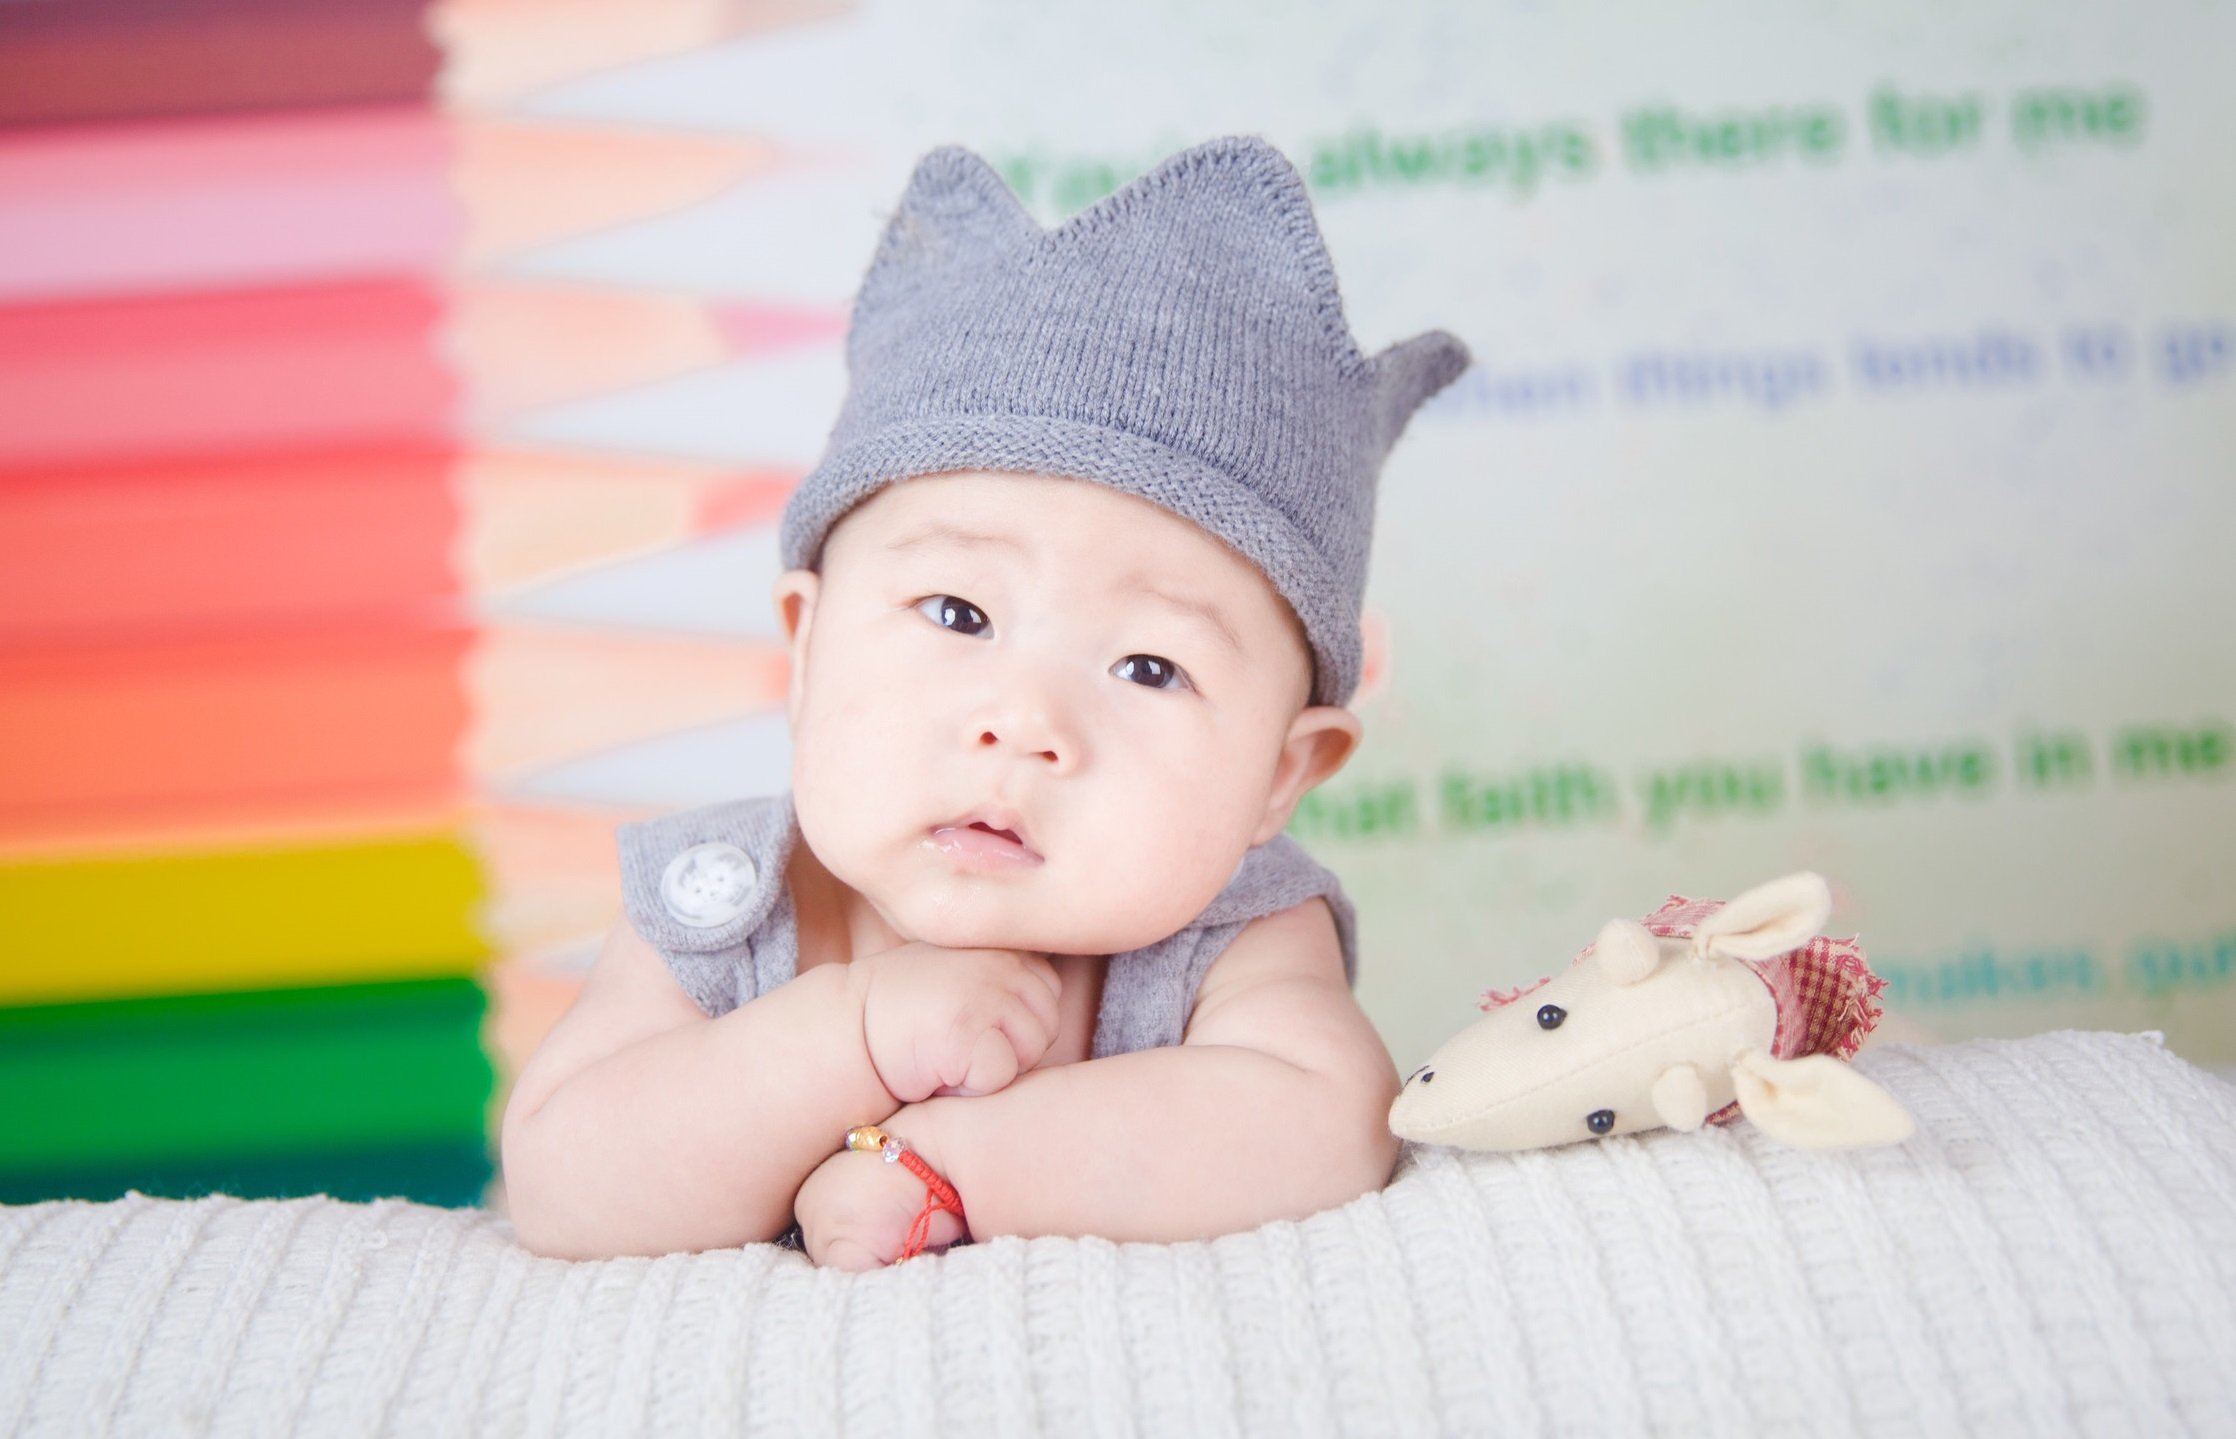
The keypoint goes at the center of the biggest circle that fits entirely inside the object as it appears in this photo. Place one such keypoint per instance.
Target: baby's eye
(952, 613)
(1150, 672)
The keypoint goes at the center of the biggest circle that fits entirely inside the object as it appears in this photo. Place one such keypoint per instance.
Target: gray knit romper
(706, 889)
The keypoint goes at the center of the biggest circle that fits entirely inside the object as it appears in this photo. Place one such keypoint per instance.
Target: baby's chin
(950, 931)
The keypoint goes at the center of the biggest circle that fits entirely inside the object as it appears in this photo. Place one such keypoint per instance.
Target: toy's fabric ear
(1769, 919)
(1816, 1102)
(1680, 1099)
(1626, 951)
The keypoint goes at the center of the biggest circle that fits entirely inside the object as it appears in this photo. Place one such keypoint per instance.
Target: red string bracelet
(939, 1193)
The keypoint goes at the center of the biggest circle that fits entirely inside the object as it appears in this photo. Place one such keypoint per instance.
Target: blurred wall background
(396, 402)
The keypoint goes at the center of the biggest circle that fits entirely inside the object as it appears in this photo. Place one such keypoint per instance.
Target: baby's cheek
(831, 761)
(1139, 900)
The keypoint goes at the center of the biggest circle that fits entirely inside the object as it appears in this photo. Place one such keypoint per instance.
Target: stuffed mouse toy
(1702, 1012)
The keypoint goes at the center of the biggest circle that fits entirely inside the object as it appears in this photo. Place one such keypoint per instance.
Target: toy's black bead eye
(1549, 1016)
(1427, 1075)
(1599, 1121)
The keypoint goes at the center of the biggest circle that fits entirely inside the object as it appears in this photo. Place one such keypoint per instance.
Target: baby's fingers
(1032, 1031)
(1041, 992)
(1044, 970)
(994, 1062)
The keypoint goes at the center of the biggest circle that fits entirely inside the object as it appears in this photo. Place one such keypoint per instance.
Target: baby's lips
(975, 845)
(1005, 823)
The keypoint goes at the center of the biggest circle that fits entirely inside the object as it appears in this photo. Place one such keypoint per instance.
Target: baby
(1072, 614)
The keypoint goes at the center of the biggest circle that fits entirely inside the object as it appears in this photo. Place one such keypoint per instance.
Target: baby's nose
(1028, 723)
(1030, 737)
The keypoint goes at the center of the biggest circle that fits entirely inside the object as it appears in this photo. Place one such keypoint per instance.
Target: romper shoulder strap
(1148, 994)
(699, 885)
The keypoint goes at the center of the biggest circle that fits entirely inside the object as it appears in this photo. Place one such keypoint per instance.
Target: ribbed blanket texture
(2054, 1252)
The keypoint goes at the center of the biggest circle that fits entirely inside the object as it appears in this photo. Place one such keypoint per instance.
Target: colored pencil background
(315, 714)
(394, 410)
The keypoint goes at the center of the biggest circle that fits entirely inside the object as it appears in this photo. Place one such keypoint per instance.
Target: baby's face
(1114, 688)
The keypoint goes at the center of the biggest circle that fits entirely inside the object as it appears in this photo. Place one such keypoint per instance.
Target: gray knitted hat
(1181, 340)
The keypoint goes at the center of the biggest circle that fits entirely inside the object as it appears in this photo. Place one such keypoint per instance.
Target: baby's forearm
(699, 1137)
(1160, 1145)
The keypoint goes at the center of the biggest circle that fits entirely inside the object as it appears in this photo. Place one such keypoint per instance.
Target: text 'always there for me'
(1521, 159)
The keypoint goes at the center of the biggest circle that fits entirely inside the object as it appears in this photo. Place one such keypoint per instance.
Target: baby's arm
(641, 1126)
(1274, 1105)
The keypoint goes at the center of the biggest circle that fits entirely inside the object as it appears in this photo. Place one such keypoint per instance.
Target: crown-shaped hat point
(1182, 339)
(1407, 374)
(955, 207)
(954, 181)
(1241, 190)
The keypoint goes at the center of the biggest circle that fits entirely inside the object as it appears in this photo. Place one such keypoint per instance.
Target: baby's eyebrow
(938, 533)
(1207, 614)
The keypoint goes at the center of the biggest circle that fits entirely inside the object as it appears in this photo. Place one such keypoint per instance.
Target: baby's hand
(855, 1211)
(955, 1021)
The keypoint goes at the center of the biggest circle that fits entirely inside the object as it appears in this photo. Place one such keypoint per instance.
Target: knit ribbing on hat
(1182, 340)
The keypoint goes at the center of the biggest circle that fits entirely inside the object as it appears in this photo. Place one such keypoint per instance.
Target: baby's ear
(1321, 738)
(795, 594)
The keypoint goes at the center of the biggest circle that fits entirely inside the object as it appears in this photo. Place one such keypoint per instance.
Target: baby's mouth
(972, 837)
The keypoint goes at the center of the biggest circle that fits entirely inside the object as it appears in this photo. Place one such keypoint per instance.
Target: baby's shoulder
(1279, 989)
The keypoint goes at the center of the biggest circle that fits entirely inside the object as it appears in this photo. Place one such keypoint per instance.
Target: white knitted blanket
(2054, 1252)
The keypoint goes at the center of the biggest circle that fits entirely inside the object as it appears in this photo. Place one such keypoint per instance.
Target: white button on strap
(708, 885)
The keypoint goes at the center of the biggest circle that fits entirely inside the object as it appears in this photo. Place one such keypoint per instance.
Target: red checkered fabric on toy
(1827, 995)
